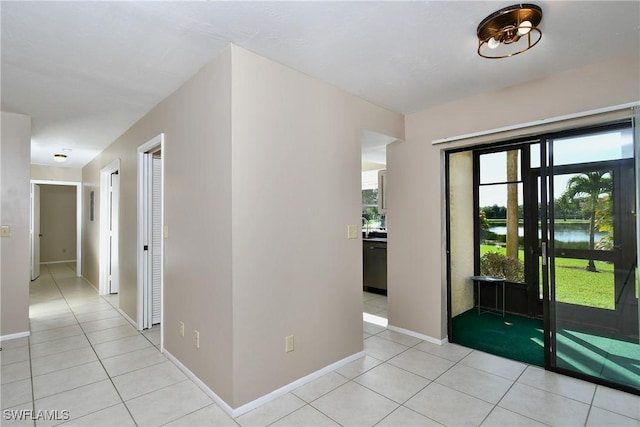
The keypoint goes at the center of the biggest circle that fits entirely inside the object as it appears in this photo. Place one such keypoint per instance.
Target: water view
(565, 232)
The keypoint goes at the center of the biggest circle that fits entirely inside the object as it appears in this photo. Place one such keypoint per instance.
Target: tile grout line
(33, 393)
(98, 357)
(515, 381)
(593, 397)
(383, 362)
(431, 381)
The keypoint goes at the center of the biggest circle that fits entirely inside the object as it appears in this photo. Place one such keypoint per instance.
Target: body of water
(564, 232)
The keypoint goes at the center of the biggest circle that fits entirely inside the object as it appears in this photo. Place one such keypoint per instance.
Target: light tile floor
(83, 357)
(375, 304)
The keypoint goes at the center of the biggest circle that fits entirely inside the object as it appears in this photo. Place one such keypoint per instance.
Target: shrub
(496, 264)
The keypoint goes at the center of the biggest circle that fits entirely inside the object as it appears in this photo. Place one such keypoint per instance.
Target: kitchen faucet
(366, 224)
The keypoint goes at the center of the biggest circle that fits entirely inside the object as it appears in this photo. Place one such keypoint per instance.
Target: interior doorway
(150, 233)
(36, 234)
(374, 227)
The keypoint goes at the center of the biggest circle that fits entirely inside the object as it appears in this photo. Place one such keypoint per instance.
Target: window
(371, 217)
(501, 215)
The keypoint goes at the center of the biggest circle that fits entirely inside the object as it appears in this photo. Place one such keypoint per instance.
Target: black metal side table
(477, 280)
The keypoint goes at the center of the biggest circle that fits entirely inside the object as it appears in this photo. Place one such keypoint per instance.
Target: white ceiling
(86, 71)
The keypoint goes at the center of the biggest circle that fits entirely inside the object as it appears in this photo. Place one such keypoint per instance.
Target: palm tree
(512, 204)
(590, 186)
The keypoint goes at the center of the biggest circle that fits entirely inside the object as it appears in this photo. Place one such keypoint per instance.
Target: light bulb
(524, 28)
(493, 43)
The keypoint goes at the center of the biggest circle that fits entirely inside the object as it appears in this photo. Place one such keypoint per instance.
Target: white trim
(59, 262)
(92, 285)
(34, 253)
(153, 145)
(537, 123)
(105, 172)
(418, 335)
(129, 319)
(14, 336)
(78, 186)
(267, 397)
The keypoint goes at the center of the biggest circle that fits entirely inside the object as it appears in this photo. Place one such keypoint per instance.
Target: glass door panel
(591, 251)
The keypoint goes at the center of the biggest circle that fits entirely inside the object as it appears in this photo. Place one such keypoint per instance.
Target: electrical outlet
(196, 338)
(288, 343)
(181, 328)
(5, 231)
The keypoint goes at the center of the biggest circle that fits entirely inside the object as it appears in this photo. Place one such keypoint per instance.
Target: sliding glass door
(588, 255)
(554, 216)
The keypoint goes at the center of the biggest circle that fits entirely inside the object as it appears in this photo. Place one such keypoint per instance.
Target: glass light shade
(60, 158)
(524, 28)
(493, 43)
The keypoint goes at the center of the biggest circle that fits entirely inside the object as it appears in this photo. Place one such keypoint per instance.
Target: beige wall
(275, 238)
(461, 229)
(417, 275)
(296, 187)
(54, 173)
(15, 156)
(196, 122)
(262, 177)
(57, 223)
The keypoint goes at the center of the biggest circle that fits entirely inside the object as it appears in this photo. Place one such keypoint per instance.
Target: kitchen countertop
(375, 239)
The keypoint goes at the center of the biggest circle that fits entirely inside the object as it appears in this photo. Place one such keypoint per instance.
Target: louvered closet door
(156, 235)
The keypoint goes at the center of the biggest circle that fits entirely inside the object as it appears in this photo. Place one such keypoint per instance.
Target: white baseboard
(418, 335)
(129, 319)
(14, 336)
(236, 412)
(92, 285)
(59, 262)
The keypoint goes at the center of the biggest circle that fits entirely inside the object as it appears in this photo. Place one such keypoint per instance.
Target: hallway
(85, 365)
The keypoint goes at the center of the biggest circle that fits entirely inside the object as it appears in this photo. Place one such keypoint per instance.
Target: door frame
(598, 318)
(78, 186)
(105, 177)
(144, 173)
(546, 251)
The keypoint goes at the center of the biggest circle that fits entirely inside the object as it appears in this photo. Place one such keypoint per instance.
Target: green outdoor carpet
(521, 338)
(514, 337)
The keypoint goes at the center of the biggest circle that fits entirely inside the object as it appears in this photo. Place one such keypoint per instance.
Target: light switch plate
(5, 231)
(288, 343)
(352, 231)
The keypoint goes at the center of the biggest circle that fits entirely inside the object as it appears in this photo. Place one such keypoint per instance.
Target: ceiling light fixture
(59, 157)
(509, 31)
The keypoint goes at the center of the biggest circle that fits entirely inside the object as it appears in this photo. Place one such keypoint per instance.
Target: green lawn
(576, 285)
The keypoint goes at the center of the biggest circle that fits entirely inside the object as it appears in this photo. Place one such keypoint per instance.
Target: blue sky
(596, 147)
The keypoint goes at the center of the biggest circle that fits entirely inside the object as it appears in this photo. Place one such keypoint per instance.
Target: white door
(114, 209)
(156, 238)
(151, 234)
(35, 231)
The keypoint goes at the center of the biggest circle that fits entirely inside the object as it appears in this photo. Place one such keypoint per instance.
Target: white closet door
(156, 236)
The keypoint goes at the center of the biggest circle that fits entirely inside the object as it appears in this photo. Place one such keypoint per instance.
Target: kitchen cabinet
(374, 265)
